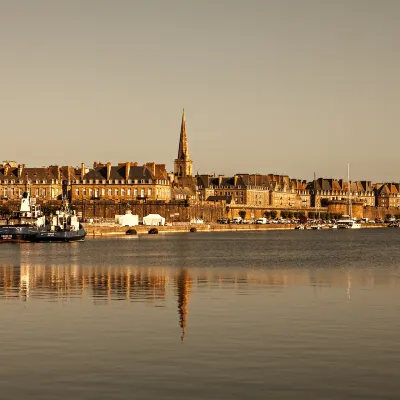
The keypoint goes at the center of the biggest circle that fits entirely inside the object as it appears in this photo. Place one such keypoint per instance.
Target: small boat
(333, 226)
(301, 227)
(64, 227)
(318, 226)
(347, 222)
(23, 224)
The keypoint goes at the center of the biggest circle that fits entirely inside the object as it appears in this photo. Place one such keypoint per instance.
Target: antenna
(348, 190)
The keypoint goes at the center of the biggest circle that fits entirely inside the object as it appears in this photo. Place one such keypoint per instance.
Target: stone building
(44, 183)
(387, 194)
(122, 182)
(324, 190)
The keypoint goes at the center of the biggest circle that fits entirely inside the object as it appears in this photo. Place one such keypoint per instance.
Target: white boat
(318, 226)
(347, 221)
(333, 226)
(300, 227)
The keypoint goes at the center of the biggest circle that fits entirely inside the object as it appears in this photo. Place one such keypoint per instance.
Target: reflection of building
(183, 284)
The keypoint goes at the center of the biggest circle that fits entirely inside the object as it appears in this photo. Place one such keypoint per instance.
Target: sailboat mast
(348, 189)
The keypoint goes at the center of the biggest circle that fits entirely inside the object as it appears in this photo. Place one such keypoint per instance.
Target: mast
(348, 190)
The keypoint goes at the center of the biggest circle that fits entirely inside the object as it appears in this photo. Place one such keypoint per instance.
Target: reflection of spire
(349, 285)
(183, 285)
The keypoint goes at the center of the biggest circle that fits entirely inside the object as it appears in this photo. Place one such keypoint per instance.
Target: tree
(388, 216)
(290, 214)
(242, 214)
(311, 214)
(284, 214)
(296, 214)
(267, 214)
(5, 210)
(273, 214)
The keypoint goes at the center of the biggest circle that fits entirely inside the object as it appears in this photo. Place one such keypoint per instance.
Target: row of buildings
(130, 181)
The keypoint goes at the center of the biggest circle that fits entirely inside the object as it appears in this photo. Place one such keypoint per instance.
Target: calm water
(299, 314)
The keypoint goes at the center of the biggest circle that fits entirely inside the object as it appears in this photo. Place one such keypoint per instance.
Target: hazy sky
(268, 86)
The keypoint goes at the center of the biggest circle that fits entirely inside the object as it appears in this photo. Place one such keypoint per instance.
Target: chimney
(82, 170)
(20, 168)
(127, 170)
(220, 180)
(108, 170)
(235, 180)
(59, 173)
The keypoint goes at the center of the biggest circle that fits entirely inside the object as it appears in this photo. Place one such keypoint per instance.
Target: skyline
(268, 87)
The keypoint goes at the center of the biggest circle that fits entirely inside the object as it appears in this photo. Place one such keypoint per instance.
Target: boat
(317, 226)
(23, 224)
(333, 226)
(347, 221)
(301, 227)
(64, 226)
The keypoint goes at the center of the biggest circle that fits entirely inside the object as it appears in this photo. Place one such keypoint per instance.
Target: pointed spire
(183, 153)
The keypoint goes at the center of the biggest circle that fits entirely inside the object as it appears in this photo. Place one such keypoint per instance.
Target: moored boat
(64, 227)
(23, 224)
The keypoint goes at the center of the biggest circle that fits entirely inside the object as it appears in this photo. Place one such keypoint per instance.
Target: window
(135, 192)
(37, 192)
(90, 181)
(122, 192)
(77, 192)
(90, 192)
(97, 181)
(142, 181)
(103, 192)
(96, 192)
(44, 192)
(12, 192)
(141, 192)
(84, 191)
(129, 192)
(149, 191)
(116, 181)
(5, 192)
(109, 192)
(116, 192)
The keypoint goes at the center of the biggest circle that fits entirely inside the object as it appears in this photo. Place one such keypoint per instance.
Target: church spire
(183, 163)
(183, 152)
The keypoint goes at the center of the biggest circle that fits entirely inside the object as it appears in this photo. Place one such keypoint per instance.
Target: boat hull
(17, 234)
(61, 236)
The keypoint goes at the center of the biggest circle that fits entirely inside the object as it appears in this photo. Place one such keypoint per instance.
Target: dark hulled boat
(23, 224)
(64, 226)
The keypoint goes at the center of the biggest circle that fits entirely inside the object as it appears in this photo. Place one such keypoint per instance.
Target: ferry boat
(347, 222)
(23, 224)
(64, 227)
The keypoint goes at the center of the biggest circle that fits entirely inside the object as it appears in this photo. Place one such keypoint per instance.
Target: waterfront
(225, 315)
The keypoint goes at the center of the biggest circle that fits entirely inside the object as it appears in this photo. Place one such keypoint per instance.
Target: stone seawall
(97, 230)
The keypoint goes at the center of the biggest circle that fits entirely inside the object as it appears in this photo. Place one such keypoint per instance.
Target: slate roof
(118, 172)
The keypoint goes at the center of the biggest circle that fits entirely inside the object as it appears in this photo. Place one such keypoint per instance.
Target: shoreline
(107, 231)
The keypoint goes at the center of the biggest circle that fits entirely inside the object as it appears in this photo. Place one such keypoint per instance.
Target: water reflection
(103, 285)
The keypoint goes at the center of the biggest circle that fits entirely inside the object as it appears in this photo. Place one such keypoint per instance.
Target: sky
(291, 87)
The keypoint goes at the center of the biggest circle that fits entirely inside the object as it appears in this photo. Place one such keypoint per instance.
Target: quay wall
(98, 230)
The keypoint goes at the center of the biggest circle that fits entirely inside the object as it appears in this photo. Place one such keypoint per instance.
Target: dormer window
(104, 181)
(97, 181)
(150, 181)
(122, 181)
(129, 181)
(110, 181)
(5, 181)
(136, 181)
(84, 181)
(13, 182)
(116, 181)
(142, 181)
(90, 181)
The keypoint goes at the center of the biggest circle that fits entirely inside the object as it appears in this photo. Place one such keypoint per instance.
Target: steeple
(183, 164)
(183, 152)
